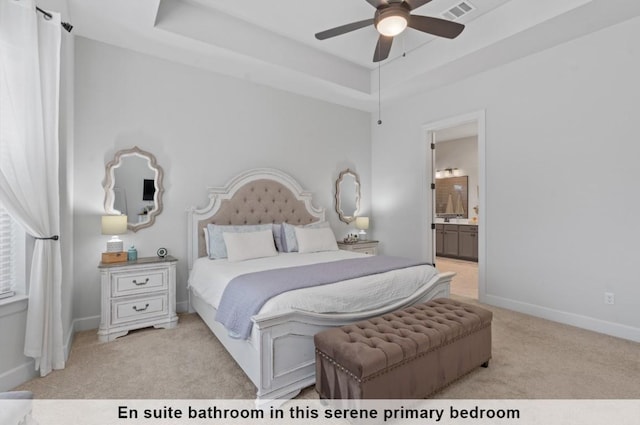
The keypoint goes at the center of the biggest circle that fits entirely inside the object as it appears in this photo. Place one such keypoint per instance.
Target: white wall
(561, 160)
(203, 129)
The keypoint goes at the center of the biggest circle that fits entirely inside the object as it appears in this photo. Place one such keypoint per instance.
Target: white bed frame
(279, 357)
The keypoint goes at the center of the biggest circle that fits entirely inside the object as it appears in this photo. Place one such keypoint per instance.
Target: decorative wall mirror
(133, 186)
(452, 197)
(347, 196)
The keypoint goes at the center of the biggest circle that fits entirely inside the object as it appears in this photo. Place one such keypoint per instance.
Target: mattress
(209, 278)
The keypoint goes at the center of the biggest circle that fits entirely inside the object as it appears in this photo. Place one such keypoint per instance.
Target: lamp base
(362, 235)
(115, 244)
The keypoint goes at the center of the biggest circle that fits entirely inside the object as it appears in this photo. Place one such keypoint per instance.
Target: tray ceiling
(273, 43)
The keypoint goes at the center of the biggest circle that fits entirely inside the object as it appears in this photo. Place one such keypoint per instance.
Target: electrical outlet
(609, 298)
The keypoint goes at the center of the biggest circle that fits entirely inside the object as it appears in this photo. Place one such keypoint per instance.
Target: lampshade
(362, 223)
(114, 224)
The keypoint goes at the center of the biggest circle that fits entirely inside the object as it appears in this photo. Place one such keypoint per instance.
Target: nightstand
(364, 247)
(137, 294)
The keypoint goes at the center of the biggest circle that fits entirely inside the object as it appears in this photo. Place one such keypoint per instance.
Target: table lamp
(114, 225)
(362, 223)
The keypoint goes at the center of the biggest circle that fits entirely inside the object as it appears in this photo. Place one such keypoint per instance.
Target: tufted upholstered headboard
(257, 196)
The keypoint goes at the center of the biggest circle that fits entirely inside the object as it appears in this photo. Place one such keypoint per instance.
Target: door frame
(429, 131)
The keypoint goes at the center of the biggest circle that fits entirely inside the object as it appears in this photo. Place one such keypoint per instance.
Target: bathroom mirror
(347, 196)
(452, 197)
(133, 186)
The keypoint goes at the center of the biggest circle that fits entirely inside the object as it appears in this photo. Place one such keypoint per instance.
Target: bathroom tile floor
(465, 282)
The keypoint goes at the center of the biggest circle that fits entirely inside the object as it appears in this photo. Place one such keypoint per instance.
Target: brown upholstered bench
(409, 353)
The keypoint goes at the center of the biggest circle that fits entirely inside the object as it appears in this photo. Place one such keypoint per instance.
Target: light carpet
(532, 358)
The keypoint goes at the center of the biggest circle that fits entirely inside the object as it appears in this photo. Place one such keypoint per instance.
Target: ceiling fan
(391, 18)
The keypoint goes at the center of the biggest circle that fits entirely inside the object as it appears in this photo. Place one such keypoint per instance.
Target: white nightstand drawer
(140, 308)
(368, 251)
(129, 283)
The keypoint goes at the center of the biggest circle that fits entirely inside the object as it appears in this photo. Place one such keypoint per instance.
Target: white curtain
(29, 190)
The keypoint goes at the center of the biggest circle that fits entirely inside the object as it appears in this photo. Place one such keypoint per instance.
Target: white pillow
(217, 247)
(249, 245)
(288, 236)
(315, 240)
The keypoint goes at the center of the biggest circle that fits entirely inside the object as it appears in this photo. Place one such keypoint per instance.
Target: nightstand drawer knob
(141, 309)
(135, 282)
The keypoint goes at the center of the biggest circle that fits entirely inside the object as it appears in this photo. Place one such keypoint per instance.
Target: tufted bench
(406, 354)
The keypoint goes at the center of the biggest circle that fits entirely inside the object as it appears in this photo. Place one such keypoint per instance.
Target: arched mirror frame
(341, 214)
(109, 193)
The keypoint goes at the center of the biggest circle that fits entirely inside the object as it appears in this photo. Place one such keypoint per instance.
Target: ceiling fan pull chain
(379, 95)
(404, 49)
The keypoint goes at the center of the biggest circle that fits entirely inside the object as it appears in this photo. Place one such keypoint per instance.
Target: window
(11, 256)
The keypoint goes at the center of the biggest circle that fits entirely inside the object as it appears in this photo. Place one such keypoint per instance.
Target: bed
(278, 356)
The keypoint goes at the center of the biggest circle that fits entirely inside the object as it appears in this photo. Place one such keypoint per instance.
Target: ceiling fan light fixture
(392, 17)
(392, 25)
(392, 20)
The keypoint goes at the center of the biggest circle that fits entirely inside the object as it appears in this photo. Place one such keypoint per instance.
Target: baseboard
(18, 375)
(86, 323)
(580, 321)
(26, 371)
(182, 306)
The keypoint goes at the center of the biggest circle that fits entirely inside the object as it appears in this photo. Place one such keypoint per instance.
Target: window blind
(7, 254)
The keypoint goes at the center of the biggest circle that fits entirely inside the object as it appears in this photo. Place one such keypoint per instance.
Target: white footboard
(280, 357)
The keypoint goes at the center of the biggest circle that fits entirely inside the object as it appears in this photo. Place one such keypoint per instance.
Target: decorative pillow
(288, 238)
(217, 248)
(249, 245)
(315, 240)
(277, 236)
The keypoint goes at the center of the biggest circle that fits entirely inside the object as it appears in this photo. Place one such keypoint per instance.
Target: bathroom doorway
(457, 174)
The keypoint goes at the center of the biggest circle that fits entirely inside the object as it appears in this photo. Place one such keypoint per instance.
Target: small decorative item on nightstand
(132, 254)
(162, 252)
(350, 238)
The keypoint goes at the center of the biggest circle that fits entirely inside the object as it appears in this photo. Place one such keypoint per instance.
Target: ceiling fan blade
(382, 48)
(343, 29)
(435, 26)
(414, 4)
(377, 3)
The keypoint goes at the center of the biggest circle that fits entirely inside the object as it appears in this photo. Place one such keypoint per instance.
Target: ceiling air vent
(458, 11)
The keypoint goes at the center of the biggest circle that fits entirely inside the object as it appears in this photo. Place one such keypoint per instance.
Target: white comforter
(209, 278)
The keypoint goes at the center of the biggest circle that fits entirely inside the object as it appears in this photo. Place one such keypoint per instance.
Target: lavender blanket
(245, 295)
